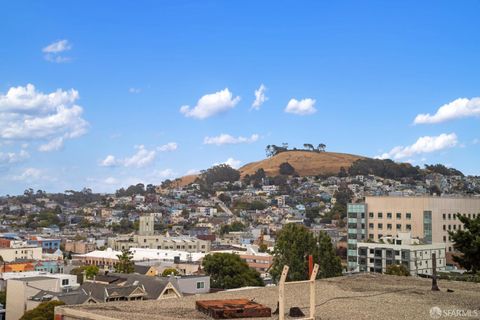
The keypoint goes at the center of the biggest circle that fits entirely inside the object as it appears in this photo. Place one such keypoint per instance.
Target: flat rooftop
(362, 296)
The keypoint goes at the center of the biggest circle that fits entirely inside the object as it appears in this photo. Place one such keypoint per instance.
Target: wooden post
(281, 294)
(312, 291)
(434, 273)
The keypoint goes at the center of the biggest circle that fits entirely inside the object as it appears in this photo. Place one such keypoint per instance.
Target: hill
(306, 163)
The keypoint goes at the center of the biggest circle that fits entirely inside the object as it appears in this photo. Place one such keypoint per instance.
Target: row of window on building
(389, 215)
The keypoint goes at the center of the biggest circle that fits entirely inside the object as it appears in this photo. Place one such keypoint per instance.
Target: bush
(397, 270)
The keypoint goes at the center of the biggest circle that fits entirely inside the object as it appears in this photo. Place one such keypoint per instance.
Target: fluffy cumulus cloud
(27, 114)
(459, 108)
(303, 107)
(211, 104)
(54, 51)
(260, 97)
(7, 158)
(171, 146)
(109, 161)
(141, 158)
(228, 139)
(423, 145)
(231, 162)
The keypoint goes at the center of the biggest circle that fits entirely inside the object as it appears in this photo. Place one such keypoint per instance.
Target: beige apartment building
(427, 218)
(21, 253)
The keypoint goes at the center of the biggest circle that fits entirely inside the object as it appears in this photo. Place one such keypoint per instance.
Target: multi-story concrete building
(400, 250)
(21, 253)
(79, 247)
(426, 218)
(21, 289)
(182, 243)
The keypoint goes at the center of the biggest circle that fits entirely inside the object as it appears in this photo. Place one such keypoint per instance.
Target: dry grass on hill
(305, 163)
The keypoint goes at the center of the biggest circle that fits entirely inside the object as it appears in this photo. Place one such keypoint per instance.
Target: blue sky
(91, 93)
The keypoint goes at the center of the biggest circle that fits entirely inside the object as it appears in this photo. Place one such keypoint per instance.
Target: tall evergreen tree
(293, 245)
(125, 263)
(228, 271)
(467, 242)
(329, 263)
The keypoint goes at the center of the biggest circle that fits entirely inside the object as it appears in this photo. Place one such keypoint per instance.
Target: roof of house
(140, 269)
(362, 296)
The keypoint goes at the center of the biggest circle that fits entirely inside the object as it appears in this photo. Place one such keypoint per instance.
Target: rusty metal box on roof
(234, 308)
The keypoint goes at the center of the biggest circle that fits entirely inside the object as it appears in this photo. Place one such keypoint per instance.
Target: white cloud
(171, 146)
(29, 174)
(28, 114)
(57, 47)
(163, 174)
(53, 52)
(192, 171)
(52, 145)
(424, 144)
(211, 104)
(141, 158)
(260, 97)
(134, 90)
(228, 139)
(231, 162)
(13, 157)
(302, 107)
(109, 161)
(459, 108)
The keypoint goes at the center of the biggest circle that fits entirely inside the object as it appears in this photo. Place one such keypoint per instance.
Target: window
(389, 226)
(449, 216)
(398, 226)
(370, 225)
(444, 216)
(444, 227)
(64, 282)
(380, 226)
(408, 216)
(409, 227)
(200, 285)
(399, 215)
(444, 238)
(380, 215)
(370, 215)
(389, 215)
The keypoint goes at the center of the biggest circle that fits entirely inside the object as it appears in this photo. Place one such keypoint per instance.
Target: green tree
(91, 272)
(286, 169)
(330, 264)
(125, 263)
(397, 270)
(294, 244)
(170, 271)
(228, 271)
(3, 298)
(467, 242)
(44, 311)
(220, 173)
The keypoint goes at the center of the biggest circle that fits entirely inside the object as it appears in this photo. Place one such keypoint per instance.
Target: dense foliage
(44, 311)
(125, 263)
(293, 246)
(219, 173)
(286, 169)
(441, 169)
(384, 168)
(233, 227)
(170, 272)
(228, 271)
(467, 242)
(397, 270)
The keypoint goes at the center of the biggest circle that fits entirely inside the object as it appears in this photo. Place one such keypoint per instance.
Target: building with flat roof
(426, 218)
(361, 297)
(401, 250)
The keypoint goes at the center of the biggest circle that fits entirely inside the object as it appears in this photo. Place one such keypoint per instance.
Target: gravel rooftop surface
(363, 296)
